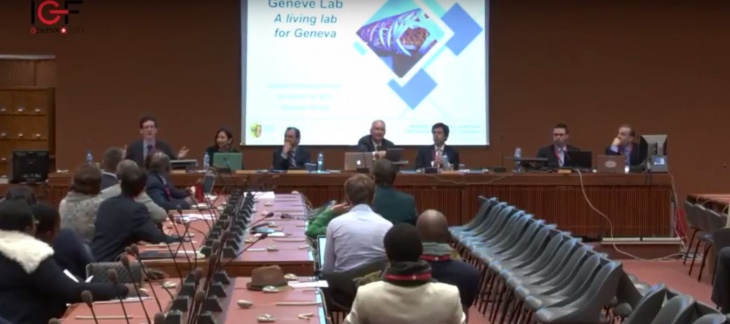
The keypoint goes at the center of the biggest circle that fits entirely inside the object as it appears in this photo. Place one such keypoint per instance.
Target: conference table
(638, 205)
(292, 254)
(716, 201)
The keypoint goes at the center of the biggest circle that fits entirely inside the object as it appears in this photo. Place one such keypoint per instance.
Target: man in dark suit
(112, 157)
(375, 142)
(122, 221)
(623, 144)
(393, 205)
(137, 151)
(161, 190)
(291, 156)
(438, 155)
(558, 153)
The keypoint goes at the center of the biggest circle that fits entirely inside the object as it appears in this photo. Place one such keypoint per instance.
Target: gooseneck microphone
(136, 255)
(177, 231)
(134, 250)
(125, 263)
(174, 261)
(259, 239)
(114, 278)
(197, 305)
(89, 300)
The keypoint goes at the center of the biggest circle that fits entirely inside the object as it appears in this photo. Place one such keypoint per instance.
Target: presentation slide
(331, 67)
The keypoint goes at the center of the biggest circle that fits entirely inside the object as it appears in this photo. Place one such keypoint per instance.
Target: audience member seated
(68, 251)
(435, 235)
(123, 221)
(79, 208)
(318, 225)
(157, 213)
(393, 205)
(21, 192)
(406, 294)
(355, 238)
(112, 157)
(223, 143)
(33, 289)
(721, 286)
(161, 189)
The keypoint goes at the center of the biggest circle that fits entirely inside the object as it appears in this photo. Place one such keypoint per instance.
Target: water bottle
(320, 162)
(206, 161)
(445, 162)
(89, 157)
(518, 156)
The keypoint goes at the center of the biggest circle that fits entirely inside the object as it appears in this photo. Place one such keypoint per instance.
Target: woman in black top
(223, 143)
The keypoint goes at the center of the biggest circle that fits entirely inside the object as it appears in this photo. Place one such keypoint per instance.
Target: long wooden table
(718, 202)
(637, 204)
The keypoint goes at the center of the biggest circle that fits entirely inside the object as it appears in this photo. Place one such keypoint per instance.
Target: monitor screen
(321, 243)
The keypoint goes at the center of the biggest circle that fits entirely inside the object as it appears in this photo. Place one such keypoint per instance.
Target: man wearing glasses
(556, 153)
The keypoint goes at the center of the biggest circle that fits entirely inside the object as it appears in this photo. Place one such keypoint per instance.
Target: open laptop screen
(321, 244)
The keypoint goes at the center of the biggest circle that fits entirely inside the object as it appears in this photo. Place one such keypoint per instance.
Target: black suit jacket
(635, 158)
(108, 180)
(301, 155)
(427, 153)
(135, 151)
(548, 152)
(365, 144)
(164, 193)
(120, 222)
(39, 290)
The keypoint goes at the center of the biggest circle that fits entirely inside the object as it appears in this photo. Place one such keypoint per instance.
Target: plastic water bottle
(445, 162)
(518, 156)
(320, 162)
(89, 157)
(206, 161)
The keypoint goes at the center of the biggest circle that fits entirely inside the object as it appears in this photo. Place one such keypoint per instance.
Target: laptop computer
(358, 160)
(231, 161)
(394, 154)
(611, 164)
(209, 183)
(321, 243)
(580, 160)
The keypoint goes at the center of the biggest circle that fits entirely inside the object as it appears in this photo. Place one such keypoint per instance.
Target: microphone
(89, 300)
(159, 318)
(259, 239)
(125, 263)
(134, 250)
(114, 279)
(197, 303)
(177, 231)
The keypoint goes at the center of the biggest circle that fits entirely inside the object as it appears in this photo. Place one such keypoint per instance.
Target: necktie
(561, 156)
(149, 149)
(292, 160)
(627, 154)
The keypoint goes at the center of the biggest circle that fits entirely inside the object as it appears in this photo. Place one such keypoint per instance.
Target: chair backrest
(600, 290)
(701, 217)
(561, 257)
(585, 275)
(572, 266)
(720, 240)
(714, 220)
(691, 213)
(711, 319)
(484, 208)
(701, 309)
(676, 310)
(649, 305)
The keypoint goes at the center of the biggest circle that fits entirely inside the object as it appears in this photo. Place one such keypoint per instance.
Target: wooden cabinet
(26, 122)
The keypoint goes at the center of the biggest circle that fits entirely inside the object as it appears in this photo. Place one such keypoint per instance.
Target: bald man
(157, 213)
(445, 267)
(375, 142)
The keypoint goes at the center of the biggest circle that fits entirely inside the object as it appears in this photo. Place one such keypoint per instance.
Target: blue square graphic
(417, 89)
(464, 27)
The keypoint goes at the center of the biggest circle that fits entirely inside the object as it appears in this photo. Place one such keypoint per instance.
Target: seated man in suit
(159, 187)
(438, 155)
(69, 252)
(393, 205)
(558, 153)
(435, 234)
(138, 150)
(406, 294)
(375, 142)
(123, 221)
(112, 157)
(291, 156)
(623, 144)
(157, 213)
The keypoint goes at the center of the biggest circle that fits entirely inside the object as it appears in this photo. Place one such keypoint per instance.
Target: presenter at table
(291, 156)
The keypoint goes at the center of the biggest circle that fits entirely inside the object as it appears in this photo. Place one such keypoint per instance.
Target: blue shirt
(354, 239)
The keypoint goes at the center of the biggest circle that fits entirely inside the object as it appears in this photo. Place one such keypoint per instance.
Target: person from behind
(395, 206)
(24, 193)
(138, 150)
(112, 157)
(623, 145)
(434, 230)
(159, 187)
(291, 156)
(79, 208)
(123, 221)
(557, 154)
(157, 213)
(223, 143)
(439, 155)
(375, 142)
(407, 293)
(355, 238)
(33, 288)
(68, 251)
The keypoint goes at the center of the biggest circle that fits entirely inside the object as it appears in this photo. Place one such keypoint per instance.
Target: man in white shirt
(355, 238)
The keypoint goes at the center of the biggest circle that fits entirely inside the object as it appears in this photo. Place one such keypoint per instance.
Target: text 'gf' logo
(49, 12)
